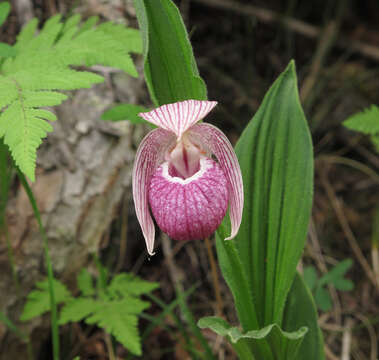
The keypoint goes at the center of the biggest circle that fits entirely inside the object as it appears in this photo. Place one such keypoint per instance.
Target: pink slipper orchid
(174, 174)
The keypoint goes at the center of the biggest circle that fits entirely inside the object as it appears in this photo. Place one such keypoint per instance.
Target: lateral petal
(180, 116)
(149, 155)
(214, 140)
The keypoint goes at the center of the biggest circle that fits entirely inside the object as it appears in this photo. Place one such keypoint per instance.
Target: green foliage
(85, 283)
(113, 306)
(39, 66)
(284, 345)
(335, 277)
(366, 122)
(301, 311)
(38, 301)
(170, 68)
(125, 112)
(5, 49)
(4, 11)
(259, 265)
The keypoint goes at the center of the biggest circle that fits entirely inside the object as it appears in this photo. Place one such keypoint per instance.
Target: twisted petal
(149, 155)
(216, 142)
(180, 116)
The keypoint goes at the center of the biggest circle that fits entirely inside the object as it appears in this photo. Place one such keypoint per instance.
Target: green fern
(38, 301)
(40, 66)
(114, 307)
(366, 122)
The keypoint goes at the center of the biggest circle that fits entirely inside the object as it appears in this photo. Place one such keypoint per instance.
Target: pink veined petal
(149, 155)
(180, 116)
(214, 140)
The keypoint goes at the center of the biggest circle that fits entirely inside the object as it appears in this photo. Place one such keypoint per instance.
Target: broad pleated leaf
(170, 69)
(300, 311)
(284, 345)
(275, 154)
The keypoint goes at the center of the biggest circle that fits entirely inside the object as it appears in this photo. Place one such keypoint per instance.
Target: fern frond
(116, 309)
(85, 283)
(24, 136)
(119, 319)
(89, 24)
(7, 51)
(71, 22)
(26, 34)
(131, 38)
(366, 121)
(8, 91)
(42, 67)
(78, 309)
(38, 301)
(130, 285)
(95, 47)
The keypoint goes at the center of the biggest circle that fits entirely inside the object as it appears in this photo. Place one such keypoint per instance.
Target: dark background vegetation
(241, 46)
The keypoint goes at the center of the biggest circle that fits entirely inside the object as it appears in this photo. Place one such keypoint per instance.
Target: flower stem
(50, 274)
(216, 283)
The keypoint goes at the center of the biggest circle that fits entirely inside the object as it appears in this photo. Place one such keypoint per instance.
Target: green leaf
(276, 159)
(338, 272)
(4, 11)
(130, 38)
(284, 345)
(26, 34)
(119, 319)
(85, 283)
(343, 284)
(77, 309)
(38, 301)
(89, 23)
(42, 98)
(366, 121)
(310, 277)
(7, 50)
(24, 136)
(115, 308)
(41, 67)
(170, 69)
(300, 311)
(129, 285)
(236, 279)
(323, 300)
(125, 112)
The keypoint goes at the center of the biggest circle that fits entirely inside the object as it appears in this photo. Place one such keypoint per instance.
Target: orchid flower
(174, 174)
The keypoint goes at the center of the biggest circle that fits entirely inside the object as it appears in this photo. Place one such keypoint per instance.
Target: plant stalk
(50, 274)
